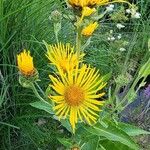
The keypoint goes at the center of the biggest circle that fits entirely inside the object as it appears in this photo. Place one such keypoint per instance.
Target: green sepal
(27, 81)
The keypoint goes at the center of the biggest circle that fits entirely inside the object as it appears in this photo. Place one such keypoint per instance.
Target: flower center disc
(74, 95)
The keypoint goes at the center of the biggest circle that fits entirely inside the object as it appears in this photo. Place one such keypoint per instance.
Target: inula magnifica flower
(88, 30)
(25, 63)
(63, 56)
(76, 95)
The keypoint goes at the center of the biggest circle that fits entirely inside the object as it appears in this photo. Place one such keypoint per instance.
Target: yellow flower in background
(103, 2)
(77, 94)
(63, 56)
(86, 3)
(88, 31)
(25, 63)
(87, 11)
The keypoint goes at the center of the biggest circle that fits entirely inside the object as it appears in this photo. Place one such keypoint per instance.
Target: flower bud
(55, 16)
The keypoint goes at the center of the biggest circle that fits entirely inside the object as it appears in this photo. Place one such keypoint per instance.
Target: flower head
(63, 56)
(88, 31)
(76, 95)
(87, 11)
(86, 3)
(25, 63)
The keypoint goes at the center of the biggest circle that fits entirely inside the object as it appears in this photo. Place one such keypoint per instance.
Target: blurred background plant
(24, 24)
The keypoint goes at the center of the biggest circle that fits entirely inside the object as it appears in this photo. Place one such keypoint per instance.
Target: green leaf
(92, 144)
(83, 135)
(149, 44)
(66, 142)
(145, 69)
(3, 93)
(101, 148)
(66, 124)
(111, 145)
(131, 130)
(112, 133)
(43, 106)
(106, 77)
(86, 44)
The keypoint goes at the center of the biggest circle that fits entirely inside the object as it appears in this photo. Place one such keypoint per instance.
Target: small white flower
(119, 36)
(109, 38)
(112, 38)
(120, 26)
(111, 31)
(137, 15)
(110, 8)
(128, 11)
(122, 49)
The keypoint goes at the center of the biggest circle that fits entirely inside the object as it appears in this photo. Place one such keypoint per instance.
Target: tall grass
(24, 24)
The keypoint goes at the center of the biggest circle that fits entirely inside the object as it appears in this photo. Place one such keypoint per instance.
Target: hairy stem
(36, 93)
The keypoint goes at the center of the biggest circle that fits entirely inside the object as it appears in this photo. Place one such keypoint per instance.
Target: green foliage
(92, 144)
(65, 142)
(119, 16)
(106, 145)
(43, 106)
(131, 130)
(113, 134)
(145, 69)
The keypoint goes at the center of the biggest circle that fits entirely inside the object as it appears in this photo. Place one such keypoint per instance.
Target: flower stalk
(78, 40)
(36, 93)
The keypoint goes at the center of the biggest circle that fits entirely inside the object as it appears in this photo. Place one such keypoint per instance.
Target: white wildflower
(128, 11)
(137, 15)
(111, 31)
(112, 38)
(122, 49)
(110, 8)
(120, 26)
(119, 36)
(109, 38)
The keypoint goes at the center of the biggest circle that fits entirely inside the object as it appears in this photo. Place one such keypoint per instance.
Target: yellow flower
(25, 63)
(87, 11)
(91, 3)
(63, 56)
(88, 31)
(76, 95)
(103, 2)
(86, 3)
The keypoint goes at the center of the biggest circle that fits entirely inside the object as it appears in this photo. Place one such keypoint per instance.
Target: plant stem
(78, 40)
(118, 1)
(140, 75)
(10, 125)
(57, 28)
(56, 37)
(40, 88)
(36, 93)
(130, 90)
